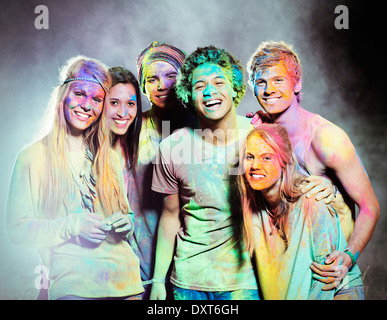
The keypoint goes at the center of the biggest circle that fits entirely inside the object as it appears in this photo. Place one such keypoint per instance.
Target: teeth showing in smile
(163, 97)
(269, 100)
(121, 122)
(211, 103)
(82, 115)
(257, 176)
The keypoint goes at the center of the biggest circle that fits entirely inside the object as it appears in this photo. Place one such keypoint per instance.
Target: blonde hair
(58, 186)
(277, 138)
(269, 54)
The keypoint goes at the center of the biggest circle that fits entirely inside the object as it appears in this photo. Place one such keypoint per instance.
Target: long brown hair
(129, 141)
(277, 138)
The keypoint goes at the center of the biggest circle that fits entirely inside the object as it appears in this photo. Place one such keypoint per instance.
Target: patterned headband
(158, 51)
(96, 80)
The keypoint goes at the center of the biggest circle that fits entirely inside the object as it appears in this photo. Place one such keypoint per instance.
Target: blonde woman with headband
(65, 190)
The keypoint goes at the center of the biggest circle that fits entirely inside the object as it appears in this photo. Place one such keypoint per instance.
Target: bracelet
(158, 280)
(351, 256)
(153, 281)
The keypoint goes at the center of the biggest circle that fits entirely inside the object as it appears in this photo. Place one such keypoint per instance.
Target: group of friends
(189, 200)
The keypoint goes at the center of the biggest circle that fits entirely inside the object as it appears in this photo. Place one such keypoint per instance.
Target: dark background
(344, 75)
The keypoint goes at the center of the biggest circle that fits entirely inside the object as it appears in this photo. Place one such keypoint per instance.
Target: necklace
(272, 221)
(84, 179)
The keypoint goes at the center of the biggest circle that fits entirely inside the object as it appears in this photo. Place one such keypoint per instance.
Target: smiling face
(160, 77)
(83, 105)
(212, 92)
(274, 89)
(263, 170)
(120, 107)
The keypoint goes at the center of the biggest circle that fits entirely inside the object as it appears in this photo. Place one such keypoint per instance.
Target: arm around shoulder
(336, 151)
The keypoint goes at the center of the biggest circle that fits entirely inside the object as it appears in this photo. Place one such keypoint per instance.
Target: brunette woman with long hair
(121, 121)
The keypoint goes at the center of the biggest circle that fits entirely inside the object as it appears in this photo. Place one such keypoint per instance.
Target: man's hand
(158, 291)
(320, 187)
(259, 118)
(336, 267)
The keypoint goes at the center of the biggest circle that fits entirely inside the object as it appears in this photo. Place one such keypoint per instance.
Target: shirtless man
(322, 149)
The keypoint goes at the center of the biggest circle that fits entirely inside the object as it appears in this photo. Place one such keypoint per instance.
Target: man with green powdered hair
(192, 171)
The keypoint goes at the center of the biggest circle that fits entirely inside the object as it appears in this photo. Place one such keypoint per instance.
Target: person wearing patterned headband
(158, 65)
(63, 201)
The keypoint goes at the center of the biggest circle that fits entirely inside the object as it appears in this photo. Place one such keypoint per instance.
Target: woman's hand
(121, 223)
(333, 271)
(320, 187)
(93, 229)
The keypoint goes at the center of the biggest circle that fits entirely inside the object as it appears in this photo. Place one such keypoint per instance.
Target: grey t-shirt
(210, 253)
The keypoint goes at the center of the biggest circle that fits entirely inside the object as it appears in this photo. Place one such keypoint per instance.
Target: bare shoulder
(332, 144)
